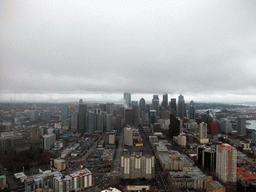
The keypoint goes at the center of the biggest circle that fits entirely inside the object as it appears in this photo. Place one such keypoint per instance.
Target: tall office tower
(152, 117)
(226, 126)
(49, 141)
(98, 120)
(36, 133)
(110, 108)
(135, 115)
(82, 117)
(64, 113)
(127, 98)
(142, 116)
(174, 127)
(56, 131)
(128, 116)
(118, 123)
(109, 123)
(241, 125)
(203, 130)
(73, 119)
(206, 158)
(173, 107)
(192, 110)
(142, 104)
(155, 103)
(33, 115)
(134, 103)
(104, 116)
(226, 163)
(128, 136)
(137, 166)
(91, 122)
(165, 101)
(203, 133)
(181, 107)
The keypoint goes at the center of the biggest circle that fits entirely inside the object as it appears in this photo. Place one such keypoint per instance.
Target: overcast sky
(205, 50)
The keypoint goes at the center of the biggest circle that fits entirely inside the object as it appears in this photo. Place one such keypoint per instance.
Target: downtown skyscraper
(226, 163)
(127, 98)
(192, 110)
(181, 107)
(165, 101)
(82, 116)
(155, 103)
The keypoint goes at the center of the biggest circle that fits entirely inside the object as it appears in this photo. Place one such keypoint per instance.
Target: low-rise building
(189, 178)
(60, 164)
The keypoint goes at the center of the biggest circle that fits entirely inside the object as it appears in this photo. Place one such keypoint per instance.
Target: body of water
(251, 125)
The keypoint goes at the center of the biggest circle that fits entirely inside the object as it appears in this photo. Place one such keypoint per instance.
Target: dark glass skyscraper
(173, 107)
(142, 104)
(64, 113)
(192, 110)
(82, 110)
(155, 103)
(165, 101)
(152, 117)
(174, 127)
(181, 107)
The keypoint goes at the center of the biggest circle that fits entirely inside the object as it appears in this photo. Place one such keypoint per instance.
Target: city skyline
(65, 50)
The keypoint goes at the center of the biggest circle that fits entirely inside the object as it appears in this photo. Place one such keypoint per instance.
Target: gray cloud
(137, 46)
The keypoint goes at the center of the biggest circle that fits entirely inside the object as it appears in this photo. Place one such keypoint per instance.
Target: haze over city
(66, 50)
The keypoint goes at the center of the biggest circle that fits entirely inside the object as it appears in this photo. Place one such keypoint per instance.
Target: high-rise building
(241, 125)
(155, 103)
(49, 141)
(118, 123)
(226, 163)
(203, 133)
(127, 98)
(64, 113)
(192, 110)
(165, 101)
(33, 115)
(206, 158)
(203, 130)
(152, 117)
(174, 127)
(109, 123)
(110, 108)
(134, 103)
(36, 133)
(181, 107)
(91, 122)
(173, 107)
(137, 166)
(82, 117)
(128, 116)
(226, 126)
(135, 115)
(128, 136)
(98, 120)
(73, 119)
(142, 104)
